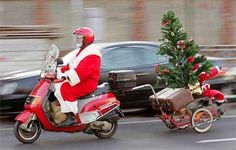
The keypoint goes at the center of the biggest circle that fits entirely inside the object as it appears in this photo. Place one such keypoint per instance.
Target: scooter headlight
(29, 100)
(32, 100)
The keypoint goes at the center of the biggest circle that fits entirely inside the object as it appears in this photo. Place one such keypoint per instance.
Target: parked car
(138, 56)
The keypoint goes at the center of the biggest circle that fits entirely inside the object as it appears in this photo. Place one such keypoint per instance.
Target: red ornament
(190, 59)
(196, 67)
(190, 39)
(181, 43)
(160, 73)
(166, 70)
(158, 67)
(166, 22)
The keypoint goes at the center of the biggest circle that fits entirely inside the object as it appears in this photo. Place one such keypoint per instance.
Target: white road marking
(123, 123)
(136, 122)
(150, 121)
(217, 140)
(5, 129)
(229, 116)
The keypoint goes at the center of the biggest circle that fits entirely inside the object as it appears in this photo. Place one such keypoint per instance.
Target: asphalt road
(135, 132)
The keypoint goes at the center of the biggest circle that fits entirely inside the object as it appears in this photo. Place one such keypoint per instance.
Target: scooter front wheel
(28, 134)
(202, 120)
(107, 134)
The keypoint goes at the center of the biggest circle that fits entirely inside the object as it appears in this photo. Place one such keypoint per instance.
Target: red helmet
(87, 33)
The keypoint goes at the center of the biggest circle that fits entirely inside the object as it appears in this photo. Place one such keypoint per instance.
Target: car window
(130, 56)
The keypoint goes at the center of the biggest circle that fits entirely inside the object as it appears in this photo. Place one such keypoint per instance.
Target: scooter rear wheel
(202, 120)
(28, 135)
(107, 134)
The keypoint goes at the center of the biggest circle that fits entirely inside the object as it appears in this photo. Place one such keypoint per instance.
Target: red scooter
(98, 112)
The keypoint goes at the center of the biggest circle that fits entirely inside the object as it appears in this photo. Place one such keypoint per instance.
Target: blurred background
(28, 27)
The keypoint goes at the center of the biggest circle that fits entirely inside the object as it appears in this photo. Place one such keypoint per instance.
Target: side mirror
(59, 61)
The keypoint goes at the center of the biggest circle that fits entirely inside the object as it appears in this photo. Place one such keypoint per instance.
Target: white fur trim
(73, 77)
(220, 101)
(217, 68)
(66, 106)
(90, 50)
(205, 87)
(59, 70)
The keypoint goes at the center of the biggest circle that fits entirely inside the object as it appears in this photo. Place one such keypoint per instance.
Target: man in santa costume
(206, 91)
(215, 95)
(80, 76)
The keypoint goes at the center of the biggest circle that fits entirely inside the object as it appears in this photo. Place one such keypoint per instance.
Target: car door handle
(143, 74)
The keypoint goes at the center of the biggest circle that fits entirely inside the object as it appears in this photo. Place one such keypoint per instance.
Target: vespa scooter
(98, 113)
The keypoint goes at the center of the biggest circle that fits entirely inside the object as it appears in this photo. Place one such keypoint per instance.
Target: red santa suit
(83, 73)
(206, 90)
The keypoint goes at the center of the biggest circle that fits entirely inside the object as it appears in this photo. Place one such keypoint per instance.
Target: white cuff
(59, 70)
(72, 77)
(218, 69)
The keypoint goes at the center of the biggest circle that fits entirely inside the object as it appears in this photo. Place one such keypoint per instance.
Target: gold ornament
(195, 89)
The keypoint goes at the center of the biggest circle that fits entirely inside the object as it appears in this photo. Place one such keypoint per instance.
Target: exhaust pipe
(112, 116)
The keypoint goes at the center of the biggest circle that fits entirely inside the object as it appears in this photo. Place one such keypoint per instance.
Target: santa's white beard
(78, 45)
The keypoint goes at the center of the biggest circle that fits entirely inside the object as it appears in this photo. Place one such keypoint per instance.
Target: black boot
(220, 111)
(70, 120)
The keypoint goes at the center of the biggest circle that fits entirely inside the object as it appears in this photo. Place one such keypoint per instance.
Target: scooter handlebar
(50, 76)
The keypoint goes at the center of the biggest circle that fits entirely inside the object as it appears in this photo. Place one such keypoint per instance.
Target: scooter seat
(87, 96)
(101, 89)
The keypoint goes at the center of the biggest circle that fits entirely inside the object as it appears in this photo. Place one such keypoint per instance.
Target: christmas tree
(182, 51)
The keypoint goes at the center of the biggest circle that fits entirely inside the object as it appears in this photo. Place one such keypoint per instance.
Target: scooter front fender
(24, 116)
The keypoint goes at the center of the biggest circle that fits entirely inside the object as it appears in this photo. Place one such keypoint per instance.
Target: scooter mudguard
(23, 116)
